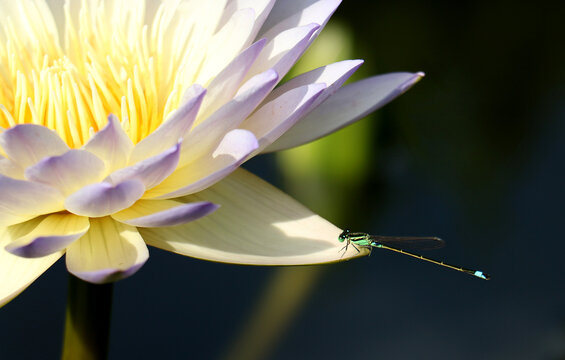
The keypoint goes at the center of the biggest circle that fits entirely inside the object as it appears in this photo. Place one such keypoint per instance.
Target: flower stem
(87, 323)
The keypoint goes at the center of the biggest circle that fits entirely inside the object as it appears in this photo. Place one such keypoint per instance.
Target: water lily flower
(124, 125)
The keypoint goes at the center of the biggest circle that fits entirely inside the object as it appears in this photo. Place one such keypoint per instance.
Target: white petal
(103, 199)
(232, 151)
(333, 75)
(111, 144)
(11, 169)
(17, 273)
(23, 200)
(261, 9)
(349, 104)
(68, 172)
(275, 117)
(159, 213)
(27, 144)
(289, 14)
(226, 44)
(205, 137)
(173, 129)
(225, 84)
(283, 50)
(108, 252)
(50, 235)
(257, 224)
(150, 172)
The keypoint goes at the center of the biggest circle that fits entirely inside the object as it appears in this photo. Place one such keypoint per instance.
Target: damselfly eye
(343, 235)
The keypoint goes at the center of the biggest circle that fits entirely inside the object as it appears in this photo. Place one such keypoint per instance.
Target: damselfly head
(344, 235)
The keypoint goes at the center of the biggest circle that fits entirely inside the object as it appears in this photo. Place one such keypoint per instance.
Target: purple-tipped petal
(234, 149)
(257, 224)
(349, 104)
(108, 252)
(111, 144)
(160, 213)
(333, 75)
(103, 199)
(152, 171)
(27, 144)
(52, 234)
(17, 273)
(203, 139)
(289, 14)
(274, 118)
(282, 52)
(173, 129)
(22, 200)
(261, 8)
(68, 172)
(226, 83)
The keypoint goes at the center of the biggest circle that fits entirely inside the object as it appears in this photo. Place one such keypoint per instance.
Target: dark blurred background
(474, 153)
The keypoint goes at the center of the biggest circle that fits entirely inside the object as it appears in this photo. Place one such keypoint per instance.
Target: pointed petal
(289, 14)
(17, 273)
(275, 117)
(234, 149)
(23, 200)
(272, 228)
(51, 235)
(159, 213)
(226, 44)
(173, 129)
(111, 144)
(261, 8)
(349, 104)
(68, 172)
(27, 144)
(283, 50)
(333, 75)
(152, 171)
(226, 83)
(103, 199)
(108, 252)
(205, 137)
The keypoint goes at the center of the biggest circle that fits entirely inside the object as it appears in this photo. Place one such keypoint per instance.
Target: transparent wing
(409, 242)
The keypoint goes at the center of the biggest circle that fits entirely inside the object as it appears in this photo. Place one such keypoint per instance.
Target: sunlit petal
(234, 148)
(27, 144)
(288, 14)
(17, 273)
(256, 224)
(160, 213)
(275, 117)
(23, 200)
(108, 252)
(284, 49)
(348, 104)
(173, 129)
(333, 75)
(68, 172)
(225, 84)
(205, 137)
(103, 198)
(111, 144)
(53, 234)
(150, 172)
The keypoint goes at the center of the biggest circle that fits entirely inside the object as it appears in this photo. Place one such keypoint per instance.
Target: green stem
(87, 323)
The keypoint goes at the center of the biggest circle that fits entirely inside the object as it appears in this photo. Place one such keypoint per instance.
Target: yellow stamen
(109, 65)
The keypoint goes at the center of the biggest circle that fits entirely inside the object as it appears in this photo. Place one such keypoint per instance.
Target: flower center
(105, 69)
